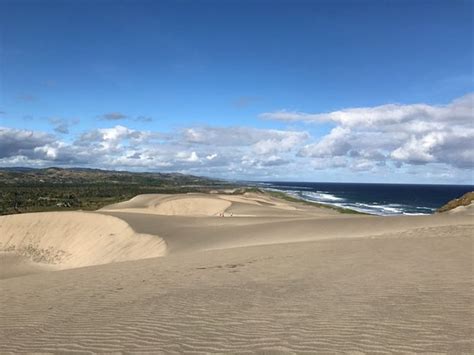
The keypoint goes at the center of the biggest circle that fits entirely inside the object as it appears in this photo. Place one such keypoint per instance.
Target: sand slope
(174, 205)
(464, 210)
(277, 277)
(405, 293)
(200, 205)
(257, 220)
(74, 239)
(13, 264)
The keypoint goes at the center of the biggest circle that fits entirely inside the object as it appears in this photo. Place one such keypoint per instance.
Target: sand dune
(174, 205)
(259, 220)
(200, 204)
(465, 210)
(74, 239)
(191, 206)
(277, 277)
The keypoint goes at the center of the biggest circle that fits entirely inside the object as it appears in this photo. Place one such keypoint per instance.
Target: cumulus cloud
(191, 157)
(112, 136)
(459, 110)
(264, 162)
(200, 150)
(14, 142)
(336, 143)
(382, 140)
(243, 136)
(401, 134)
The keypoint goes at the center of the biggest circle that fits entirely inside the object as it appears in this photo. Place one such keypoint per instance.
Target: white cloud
(281, 142)
(211, 156)
(47, 152)
(409, 134)
(122, 147)
(387, 141)
(458, 111)
(241, 136)
(336, 143)
(15, 142)
(191, 157)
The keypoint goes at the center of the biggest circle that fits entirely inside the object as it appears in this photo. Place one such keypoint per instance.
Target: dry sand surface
(73, 239)
(276, 277)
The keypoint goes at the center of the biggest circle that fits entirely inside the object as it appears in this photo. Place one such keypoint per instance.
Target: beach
(221, 273)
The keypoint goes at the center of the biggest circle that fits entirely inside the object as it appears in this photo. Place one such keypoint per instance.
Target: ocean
(379, 199)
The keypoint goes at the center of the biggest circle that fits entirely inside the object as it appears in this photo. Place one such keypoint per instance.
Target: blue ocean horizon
(374, 198)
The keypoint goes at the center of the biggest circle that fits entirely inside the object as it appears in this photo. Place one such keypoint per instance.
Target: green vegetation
(55, 189)
(464, 200)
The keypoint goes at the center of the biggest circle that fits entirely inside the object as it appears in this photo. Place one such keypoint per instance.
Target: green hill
(33, 190)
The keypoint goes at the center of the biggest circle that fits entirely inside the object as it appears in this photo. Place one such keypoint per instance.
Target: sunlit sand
(203, 273)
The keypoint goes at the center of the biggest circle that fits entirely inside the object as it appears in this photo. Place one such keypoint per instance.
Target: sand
(66, 240)
(276, 277)
(465, 210)
(172, 205)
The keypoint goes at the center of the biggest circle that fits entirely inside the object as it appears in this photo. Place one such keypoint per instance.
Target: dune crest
(75, 239)
(196, 205)
(211, 205)
(192, 206)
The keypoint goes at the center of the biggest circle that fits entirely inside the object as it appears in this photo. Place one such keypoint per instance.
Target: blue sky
(97, 82)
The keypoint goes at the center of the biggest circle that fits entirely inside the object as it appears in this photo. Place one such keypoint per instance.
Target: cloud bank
(381, 140)
(199, 150)
(415, 134)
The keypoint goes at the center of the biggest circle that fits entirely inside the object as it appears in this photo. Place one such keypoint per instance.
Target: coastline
(377, 199)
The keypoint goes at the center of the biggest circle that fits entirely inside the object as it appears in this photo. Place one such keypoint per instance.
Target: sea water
(380, 199)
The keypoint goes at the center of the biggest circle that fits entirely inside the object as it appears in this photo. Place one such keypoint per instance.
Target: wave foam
(321, 196)
(377, 208)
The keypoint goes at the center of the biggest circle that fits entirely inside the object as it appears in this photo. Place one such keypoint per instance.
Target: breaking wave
(376, 208)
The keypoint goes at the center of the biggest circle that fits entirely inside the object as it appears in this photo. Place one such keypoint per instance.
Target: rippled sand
(276, 277)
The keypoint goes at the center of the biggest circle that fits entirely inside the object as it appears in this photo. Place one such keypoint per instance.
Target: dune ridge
(212, 205)
(257, 219)
(75, 239)
(197, 205)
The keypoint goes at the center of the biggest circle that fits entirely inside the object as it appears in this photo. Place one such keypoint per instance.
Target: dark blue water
(381, 199)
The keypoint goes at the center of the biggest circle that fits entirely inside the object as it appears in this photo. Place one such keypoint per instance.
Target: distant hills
(50, 189)
(54, 175)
